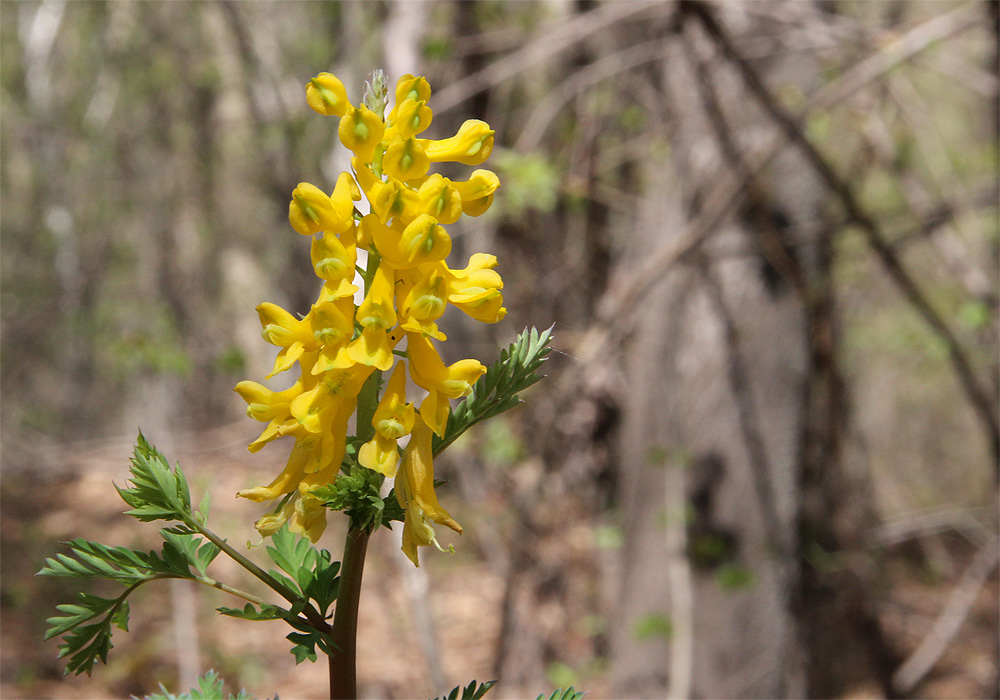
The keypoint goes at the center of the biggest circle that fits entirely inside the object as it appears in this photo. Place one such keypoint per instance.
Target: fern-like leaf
(497, 390)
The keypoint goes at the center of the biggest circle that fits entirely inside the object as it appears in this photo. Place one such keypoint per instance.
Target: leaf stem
(314, 617)
(249, 597)
(343, 671)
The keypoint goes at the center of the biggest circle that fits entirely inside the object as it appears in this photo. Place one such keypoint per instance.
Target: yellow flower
(388, 199)
(477, 191)
(287, 481)
(280, 328)
(361, 131)
(332, 323)
(312, 211)
(415, 494)
(470, 146)
(270, 524)
(308, 516)
(424, 303)
(422, 241)
(442, 383)
(393, 419)
(338, 345)
(438, 197)
(476, 289)
(326, 94)
(410, 117)
(334, 262)
(405, 159)
(376, 316)
(411, 88)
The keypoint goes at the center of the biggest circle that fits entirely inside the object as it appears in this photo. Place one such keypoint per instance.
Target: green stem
(343, 671)
(249, 597)
(309, 611)
(367, 404)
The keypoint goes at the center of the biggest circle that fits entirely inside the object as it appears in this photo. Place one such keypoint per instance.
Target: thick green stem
(343, 672)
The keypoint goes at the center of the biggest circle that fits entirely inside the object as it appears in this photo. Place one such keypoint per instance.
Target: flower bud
(477, 191)
(439, 198)
(311, 211)
(405, 159)
(412, 117)
(361, 131)
(326, 95)
(411, 88)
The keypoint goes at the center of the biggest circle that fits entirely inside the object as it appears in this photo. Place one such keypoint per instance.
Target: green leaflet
(470, 692)
(157, 492)
(496, 391)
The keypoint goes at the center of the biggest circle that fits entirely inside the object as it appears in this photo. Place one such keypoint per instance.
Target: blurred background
(764, 462)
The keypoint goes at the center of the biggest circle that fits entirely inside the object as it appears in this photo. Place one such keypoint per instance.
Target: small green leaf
(250, 612)
(567, 694)
(470, 692)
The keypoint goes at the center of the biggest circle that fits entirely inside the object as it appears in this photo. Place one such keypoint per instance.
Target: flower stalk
(343, 660)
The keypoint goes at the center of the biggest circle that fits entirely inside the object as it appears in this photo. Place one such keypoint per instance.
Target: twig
(931, 522)
(899, 51)
(982, 403)
(948, 623)
(618, 62)
(550, 41)
(614, 311)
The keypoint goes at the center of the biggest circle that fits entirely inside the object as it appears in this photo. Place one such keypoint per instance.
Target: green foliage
(157, 492)
(732, 577)
(496, 391)
(84, 643)
(130, 567)
(251, 612)
(209, 687)
(651, 626)
(469, 692)
(356, 492)
(561, 694)
(312, 572)
(561, 674)
(307, 572)
(530, 181)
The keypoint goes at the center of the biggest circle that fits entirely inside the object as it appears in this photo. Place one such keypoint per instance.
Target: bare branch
(949, 622)
(550, 41)
(982, 400)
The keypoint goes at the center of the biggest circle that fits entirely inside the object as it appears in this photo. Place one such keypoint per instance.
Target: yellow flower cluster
(408, 284)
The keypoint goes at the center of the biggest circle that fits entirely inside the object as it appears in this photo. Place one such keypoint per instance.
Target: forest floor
(73, 497)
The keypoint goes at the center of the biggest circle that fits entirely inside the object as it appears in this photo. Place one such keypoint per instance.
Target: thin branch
(581, 80)
(982, 402)
(950, 621)
(902, 49)
(550, 41)
(249, 597)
